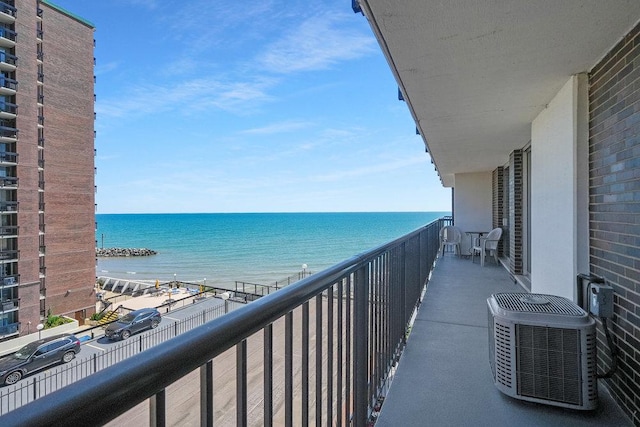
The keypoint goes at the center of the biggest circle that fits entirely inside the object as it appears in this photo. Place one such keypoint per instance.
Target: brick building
(47, 202)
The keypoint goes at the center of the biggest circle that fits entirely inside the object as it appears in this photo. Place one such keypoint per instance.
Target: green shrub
(96, 316)
(53, 321)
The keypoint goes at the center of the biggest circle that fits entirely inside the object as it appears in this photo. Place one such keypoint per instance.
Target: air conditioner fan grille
(549, 363)
(537, 303)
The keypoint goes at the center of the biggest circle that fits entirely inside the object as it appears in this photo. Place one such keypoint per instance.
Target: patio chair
(488, 243)
(450, 236)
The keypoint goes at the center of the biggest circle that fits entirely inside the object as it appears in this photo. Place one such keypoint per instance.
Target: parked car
(136, 321)
(38, 355)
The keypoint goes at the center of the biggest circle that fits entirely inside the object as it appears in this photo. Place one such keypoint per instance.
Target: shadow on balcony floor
(444, 377)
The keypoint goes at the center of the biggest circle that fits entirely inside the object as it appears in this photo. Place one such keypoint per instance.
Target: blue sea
(251, 247)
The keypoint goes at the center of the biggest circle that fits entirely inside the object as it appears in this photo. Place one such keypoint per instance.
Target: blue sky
(250, 106)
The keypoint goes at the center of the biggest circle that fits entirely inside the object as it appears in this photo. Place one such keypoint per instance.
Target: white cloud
(106, 68)
(318, 43)
(275, 128)
(185, 97)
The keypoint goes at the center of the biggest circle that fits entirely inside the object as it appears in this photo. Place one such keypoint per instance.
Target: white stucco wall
(472, 204)
(559, 139)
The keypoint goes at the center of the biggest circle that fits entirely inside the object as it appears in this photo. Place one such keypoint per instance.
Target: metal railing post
(361, 344)
(288, 369)
(157, 412)
(206, 394)
(318, 352)
(241, 383)
(403, 294)
(305, 364)
(268, 376)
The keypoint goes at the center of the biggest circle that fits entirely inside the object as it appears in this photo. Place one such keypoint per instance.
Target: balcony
(9, 281)
(9, 330)
(8, 206)
(444, 375)
(8, 110)
(8, 134)
(9, 254)
(324, 349)
(7, 37)
(8, 86)
(8, 182)
(9, 305)
(7, 13)
(8, 230)
(8, 158)
(8, 62)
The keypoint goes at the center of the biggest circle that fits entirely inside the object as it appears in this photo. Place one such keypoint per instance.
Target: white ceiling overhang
(475, 73)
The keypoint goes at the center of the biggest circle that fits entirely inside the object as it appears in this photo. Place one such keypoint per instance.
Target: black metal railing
(8, 34)
(8, 58)
(8, 181)
(8, 9)
(9, 329)
(8, 83)
(9, 254)
(8, 132)
(8, 230)
(350, 321)
(8, 157)
(8, 206)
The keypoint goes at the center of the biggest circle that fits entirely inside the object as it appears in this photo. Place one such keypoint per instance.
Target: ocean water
(251, 247)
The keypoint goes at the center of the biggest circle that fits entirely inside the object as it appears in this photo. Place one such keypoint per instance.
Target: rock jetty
(124, 252)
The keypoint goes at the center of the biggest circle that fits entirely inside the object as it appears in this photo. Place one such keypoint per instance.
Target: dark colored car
(38, 355)
(136, 321)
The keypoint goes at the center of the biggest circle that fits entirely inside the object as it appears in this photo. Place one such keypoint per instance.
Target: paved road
(21, 393)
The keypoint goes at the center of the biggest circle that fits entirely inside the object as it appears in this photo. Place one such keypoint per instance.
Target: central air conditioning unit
(542, 348)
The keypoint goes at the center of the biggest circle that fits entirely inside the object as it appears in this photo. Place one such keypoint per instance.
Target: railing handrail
(142, 376)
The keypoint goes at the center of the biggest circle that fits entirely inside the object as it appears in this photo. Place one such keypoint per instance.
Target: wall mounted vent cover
(543, 349)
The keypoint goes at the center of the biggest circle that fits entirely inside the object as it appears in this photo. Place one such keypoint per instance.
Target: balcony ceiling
(475, 73)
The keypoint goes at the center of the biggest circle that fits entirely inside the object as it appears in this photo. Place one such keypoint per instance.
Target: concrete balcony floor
(444, 377)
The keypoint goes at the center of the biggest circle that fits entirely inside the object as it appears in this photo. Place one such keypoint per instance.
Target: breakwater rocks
(124, 252)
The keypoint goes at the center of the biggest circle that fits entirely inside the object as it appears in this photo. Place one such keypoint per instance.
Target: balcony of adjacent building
(7, 37)
(8, 86)
(8, 206)
(7, 13)
(8, 305)
(8, 182)
(8, 61)
(9, 254)
(8, 158)
(8, 132)
(8, 231)
(363, 338)
(8, 110)
(8, 328)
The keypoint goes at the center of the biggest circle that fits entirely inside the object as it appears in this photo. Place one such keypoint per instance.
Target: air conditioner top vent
(537, 303)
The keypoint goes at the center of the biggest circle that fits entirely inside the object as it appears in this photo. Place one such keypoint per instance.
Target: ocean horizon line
(272, 212)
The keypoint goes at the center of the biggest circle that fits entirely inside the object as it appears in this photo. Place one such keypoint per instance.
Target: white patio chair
(488, 243)
(450, 236)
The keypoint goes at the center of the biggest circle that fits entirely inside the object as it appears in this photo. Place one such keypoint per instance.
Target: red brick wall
(69, 212)
(69, 162)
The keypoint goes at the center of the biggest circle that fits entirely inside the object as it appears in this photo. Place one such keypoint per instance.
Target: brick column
(516, 183)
